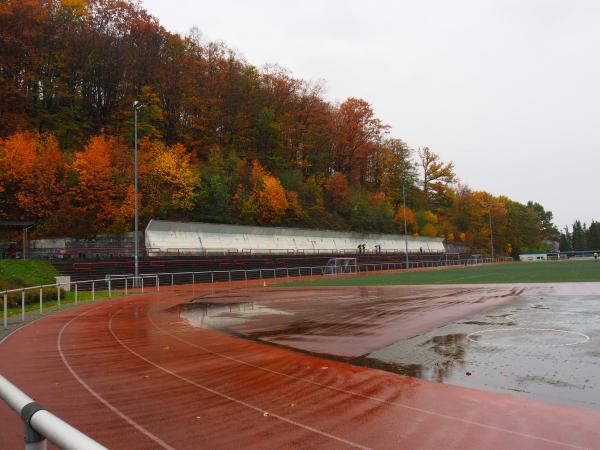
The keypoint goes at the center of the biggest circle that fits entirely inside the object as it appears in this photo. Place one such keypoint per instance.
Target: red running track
(131, 375)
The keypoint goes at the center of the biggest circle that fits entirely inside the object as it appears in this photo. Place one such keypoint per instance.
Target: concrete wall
(191, 237)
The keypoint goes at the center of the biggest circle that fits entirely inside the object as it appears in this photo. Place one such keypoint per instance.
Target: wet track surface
(541, 344)
(143, 372)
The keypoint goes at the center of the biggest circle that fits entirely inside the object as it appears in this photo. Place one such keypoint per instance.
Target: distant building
(533, 257)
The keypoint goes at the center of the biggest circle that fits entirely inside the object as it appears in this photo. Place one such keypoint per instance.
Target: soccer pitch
(537, 272)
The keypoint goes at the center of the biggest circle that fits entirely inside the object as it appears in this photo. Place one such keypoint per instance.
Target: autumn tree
(437, 176)
(169, 182)
(101, 174)
(358, 133)
(412, 227)
(267, 202)
(336, 191)
(31, 175)
(221, 140)
(390, 167)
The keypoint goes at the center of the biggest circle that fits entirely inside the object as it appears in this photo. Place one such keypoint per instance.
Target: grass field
(541, 272)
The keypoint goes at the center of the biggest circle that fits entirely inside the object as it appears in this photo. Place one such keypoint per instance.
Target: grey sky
(508, 90)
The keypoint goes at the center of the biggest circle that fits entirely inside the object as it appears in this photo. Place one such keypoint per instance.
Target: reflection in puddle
(451, 348)
(441, 356)
(222, 315)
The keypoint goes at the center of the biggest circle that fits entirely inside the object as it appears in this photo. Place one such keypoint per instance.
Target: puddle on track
(545, 347)
(344, 323)
(546, 350)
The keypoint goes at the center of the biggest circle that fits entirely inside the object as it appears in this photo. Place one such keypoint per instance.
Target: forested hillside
(221, 140)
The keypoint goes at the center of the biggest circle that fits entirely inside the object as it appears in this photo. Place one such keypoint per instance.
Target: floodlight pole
(136, 107)
(404, 214)
(491, 231)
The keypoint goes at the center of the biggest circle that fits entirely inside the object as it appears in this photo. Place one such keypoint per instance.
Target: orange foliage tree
(102, 172)
(31, 168)
(267, 202)
(412, 227)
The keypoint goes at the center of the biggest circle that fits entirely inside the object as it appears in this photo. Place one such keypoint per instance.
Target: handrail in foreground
(42, 425)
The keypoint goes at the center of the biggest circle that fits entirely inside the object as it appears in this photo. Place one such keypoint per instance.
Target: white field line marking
(368, 397)
(228, 397)
(105, 402)
(480, 332)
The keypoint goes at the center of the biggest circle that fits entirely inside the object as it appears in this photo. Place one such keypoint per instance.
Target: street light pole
(136, 107)
(491, 231)
(404, 213)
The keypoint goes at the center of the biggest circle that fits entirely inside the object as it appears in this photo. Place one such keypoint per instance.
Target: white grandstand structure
(181, 238)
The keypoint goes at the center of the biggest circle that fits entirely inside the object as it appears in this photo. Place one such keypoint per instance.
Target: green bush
(33, 296)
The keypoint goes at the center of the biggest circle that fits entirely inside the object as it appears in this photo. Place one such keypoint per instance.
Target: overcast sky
(508, 90)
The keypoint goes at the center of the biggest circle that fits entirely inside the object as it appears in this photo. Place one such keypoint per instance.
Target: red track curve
(131, 375)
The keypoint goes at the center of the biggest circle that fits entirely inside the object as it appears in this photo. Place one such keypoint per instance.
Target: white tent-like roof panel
(192, 237)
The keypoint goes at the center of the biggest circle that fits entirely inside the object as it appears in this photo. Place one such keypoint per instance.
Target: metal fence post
(93, 292)
(76, 293)
(5, 310)
(229, 273)
(58, 292)
(157, 283)
(125, 285)
(109, 288)
(142, 283)
(212, 277)
(193, 278)
(41, 301)
(172, 282)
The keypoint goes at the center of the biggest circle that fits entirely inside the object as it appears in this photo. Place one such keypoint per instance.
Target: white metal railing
(126, 284)
(41, 425)
(109, 285)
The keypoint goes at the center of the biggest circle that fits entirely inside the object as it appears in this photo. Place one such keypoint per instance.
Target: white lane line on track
(368, 397)
(228, 397)
(105, 402)
(19, 329)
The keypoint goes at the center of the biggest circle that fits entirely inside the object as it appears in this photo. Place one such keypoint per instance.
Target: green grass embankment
(16, 273)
